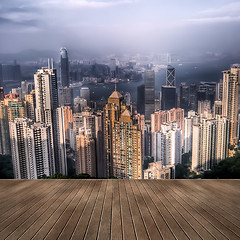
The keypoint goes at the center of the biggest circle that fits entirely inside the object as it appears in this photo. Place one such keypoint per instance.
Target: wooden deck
(120, 209)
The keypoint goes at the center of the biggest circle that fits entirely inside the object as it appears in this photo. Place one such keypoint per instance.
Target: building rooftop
(116, 94)
(120, 209)
(126, 113)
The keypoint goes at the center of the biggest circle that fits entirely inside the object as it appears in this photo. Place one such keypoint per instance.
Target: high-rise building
(11, 73)
(204, 107)
(66, 96)
(15, 108)
(46, 94)
(127, 98)
(175, 115)
(113, 68)
(61, 142)
(192, 97)
(85, 93)
(31, 149)
(168, 145)
(85, 153)
(87, 121)
(68, 118)
(10, 108)
(161, 117)
(188, 128)
(141, 99)
(207, 91)
(184, 97)
(30, 105)
(64, 67)
(4, 130)
(231, 80)
(84, 120)
(149, 93)
(209, 142)
(170, 76)
(18, 91)
(169, 98)
(219, 90)
(2, 96)
(217, 108)
(122, 140)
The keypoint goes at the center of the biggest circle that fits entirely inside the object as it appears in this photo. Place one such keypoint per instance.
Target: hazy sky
(120, 25)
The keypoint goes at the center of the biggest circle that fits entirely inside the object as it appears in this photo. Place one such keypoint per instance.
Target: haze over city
(121, 26)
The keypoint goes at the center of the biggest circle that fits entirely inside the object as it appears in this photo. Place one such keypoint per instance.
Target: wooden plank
(71, 224)
(104, 231)
(92, 228)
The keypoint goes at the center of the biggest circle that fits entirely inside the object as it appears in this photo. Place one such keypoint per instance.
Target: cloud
(232, 9)
(224, 19)
(84, 3)
(223, 14)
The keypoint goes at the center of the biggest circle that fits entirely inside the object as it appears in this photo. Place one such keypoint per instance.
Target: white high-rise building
(46, 93)
(209, 143)
(61, 141)
(230, 99)
(188, 129)
(168, 145)
(31, 149)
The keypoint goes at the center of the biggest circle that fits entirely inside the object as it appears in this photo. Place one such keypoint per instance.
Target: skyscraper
(85, 153)
(85, 93)
(149, 93)
(169, 98)
(184, 96)
(141, 99)
(168, 145)
(122, 140)
(64, 67)
(31, 149)
(4, 130)
(89, 122)
(192, 97)
(66, 96)
(30, 105)
(210, 138)
(170, 76)
(231, 80)
(1, 94)
(46, 111)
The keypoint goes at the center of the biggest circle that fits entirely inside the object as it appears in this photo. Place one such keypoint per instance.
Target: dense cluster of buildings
(42, 126)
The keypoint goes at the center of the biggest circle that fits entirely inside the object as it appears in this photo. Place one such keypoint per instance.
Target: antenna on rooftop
(48, 63)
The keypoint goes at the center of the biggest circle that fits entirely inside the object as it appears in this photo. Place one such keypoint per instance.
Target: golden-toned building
(122, 140)
(15, 108)
(30, 105)
(10, 108)
(68, 118)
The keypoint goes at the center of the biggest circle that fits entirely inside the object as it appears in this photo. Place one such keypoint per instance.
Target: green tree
(6, 167)
(226, 169)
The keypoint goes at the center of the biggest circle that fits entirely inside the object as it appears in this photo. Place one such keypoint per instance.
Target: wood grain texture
(120, 209)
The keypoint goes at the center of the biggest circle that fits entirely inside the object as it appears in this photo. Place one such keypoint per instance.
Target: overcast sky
(120, 25)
